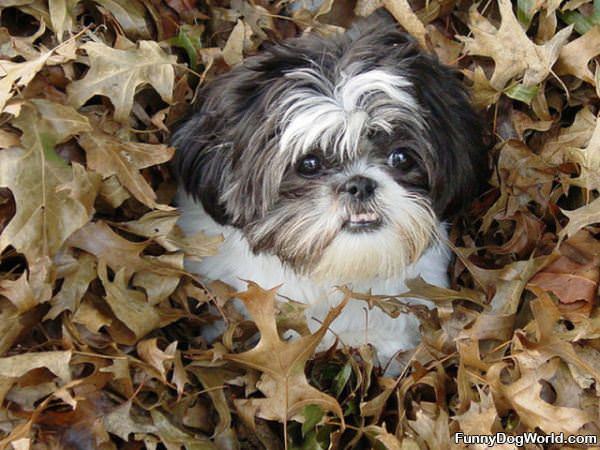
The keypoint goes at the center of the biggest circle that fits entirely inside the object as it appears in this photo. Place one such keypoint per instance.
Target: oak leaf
(98, 239)
(514, 54)
(117, 74)
(128, 305)
(575, 57)
(524, 395)
(109, 156)
(131, 16)
(283, 382)
(53, 200)
(406, 17)
(78, 274)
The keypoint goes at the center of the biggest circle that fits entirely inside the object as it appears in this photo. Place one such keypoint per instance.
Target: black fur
(230, 139)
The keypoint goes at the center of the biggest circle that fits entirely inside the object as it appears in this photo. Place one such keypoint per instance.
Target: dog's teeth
(363, 217)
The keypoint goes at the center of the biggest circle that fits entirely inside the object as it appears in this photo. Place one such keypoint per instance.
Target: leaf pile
(100, 325)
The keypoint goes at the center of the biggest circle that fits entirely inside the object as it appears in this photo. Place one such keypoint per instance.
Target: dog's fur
(353, 103)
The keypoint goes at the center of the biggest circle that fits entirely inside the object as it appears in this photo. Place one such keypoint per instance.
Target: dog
(329, 161)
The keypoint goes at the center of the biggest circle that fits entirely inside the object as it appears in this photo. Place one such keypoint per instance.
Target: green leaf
(312, 415)
(522, 93)
(189, 39)
(581, 23)
(525, 11)
(341, 379)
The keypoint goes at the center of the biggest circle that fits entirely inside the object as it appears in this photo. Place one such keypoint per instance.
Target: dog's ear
(458, 169)
(228, 130)
(201, 161)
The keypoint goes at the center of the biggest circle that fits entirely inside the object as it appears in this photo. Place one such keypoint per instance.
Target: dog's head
(338, 155)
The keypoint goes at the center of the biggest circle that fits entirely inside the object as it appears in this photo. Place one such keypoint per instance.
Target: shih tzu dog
(331, 161)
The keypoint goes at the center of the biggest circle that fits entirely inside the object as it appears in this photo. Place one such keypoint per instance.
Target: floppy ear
(459, 167)
(202, 160)
(227, 131)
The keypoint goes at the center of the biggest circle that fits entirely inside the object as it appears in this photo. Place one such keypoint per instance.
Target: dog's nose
(359, 187)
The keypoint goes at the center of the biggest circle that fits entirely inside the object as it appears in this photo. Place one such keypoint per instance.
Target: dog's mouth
(360, 222)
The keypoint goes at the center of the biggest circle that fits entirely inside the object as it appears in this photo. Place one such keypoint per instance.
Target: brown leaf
(512, 51)
(406, 17)
(149, 352)
(117, 74)
(61, 16)
(98, 239)
(128, 305)
(576, 55)
(232, 52)
(282, 363)
(19, 292)
(524, 396)
(56, 362)
(79, 273)
(130, 15)
(108, 156)
(53, 200)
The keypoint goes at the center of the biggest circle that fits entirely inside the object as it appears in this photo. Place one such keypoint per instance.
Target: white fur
(386, 253)
(235, 262)
(324, 115)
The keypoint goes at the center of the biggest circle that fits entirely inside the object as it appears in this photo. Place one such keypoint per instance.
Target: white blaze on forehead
(321, 114)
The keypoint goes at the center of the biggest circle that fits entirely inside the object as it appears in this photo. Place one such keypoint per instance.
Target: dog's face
(339, 156)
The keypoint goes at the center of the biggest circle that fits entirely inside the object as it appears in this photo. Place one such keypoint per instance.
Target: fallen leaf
(406, 17)
(110, 156)
(61, 16)
(53, 200)
(98, 239)
(76, 281)
(282, 363)
(232, 52)
(149, 352)
(524, 396)
(130, 15)
(56, 362)
(128, 305)
(117, 74)
(575, 56)
(514, 54)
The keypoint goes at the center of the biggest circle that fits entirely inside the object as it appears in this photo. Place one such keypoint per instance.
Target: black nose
(361, 188)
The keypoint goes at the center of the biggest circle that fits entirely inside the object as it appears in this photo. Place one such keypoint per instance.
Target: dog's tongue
(363, 217)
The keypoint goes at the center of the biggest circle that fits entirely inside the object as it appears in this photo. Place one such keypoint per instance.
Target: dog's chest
(357, 325)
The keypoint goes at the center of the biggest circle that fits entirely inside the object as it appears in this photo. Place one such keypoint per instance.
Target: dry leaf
(575, 57)
(117, 74)
(513, 52)
(128, 305)
(53, 200)
(405, 16)
(282, 363)
(110, 156)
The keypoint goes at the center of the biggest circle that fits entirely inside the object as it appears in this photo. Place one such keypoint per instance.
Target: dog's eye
(309, 165)
(400, 159)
